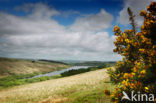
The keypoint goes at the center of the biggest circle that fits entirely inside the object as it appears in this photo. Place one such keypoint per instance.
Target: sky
(64, 29)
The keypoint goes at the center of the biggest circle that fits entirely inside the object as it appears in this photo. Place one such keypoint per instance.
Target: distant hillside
(21, 66)
(94, 63)
(72, 61)
(52, 61)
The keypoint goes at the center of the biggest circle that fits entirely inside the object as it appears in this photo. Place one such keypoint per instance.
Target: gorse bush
(137, 71)
(121, 68)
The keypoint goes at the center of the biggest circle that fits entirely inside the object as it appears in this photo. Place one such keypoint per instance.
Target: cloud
(38, 10)
(37, 35)
(93, 22)
(136, 6)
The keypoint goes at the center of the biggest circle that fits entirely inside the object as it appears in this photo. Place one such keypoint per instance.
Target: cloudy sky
(63, 29)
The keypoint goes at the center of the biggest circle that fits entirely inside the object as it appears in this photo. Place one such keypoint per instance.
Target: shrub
(137, 70)
(78, 71)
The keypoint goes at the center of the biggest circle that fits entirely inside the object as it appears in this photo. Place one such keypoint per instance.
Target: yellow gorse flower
(146, 88)
(116, 29)
(143, 72)
(126, 75)
(127, 41)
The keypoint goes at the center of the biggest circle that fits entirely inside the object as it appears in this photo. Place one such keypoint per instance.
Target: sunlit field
(67, 89)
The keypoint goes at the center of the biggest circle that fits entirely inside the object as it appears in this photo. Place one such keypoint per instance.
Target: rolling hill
(10, 66)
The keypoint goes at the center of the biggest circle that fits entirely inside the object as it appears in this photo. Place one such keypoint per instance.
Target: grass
(89, 94)
(82, 94)
(20, 66)
(16, 80)
(87, 87)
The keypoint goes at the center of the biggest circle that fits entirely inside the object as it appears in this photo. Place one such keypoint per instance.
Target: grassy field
(14, 80)
(21, 66)
(82, 88)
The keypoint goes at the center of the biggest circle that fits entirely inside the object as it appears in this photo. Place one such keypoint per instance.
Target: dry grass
(15, 66)
(48, 90)
(55, 99)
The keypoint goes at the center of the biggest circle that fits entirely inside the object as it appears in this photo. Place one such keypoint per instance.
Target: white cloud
(93, 22)
(136, 6)
(38, 10)
(39, 36)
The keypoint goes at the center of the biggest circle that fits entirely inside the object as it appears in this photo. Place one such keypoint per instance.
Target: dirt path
(38, 91)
